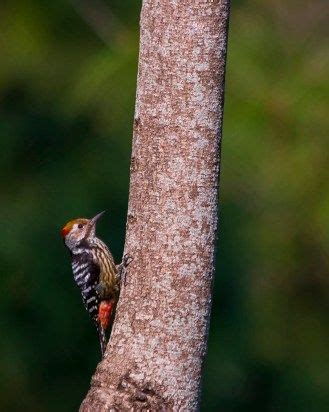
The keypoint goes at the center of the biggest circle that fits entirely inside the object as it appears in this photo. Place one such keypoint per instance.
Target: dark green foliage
(66, 108)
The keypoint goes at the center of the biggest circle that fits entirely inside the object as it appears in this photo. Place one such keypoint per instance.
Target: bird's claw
(126, 260)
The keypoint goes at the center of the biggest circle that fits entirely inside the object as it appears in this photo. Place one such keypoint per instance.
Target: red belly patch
(104, 312)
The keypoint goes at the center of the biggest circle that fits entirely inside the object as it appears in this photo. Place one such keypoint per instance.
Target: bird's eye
(80, 225)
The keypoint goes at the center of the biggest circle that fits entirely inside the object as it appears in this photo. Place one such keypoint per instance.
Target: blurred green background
(67, 90)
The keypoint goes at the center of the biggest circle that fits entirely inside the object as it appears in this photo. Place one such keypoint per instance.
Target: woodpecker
(94, 271)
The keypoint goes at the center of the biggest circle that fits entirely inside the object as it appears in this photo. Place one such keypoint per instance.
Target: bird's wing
(86, 275)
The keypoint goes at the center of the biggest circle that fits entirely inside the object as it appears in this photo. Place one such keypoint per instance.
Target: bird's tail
(102, 338)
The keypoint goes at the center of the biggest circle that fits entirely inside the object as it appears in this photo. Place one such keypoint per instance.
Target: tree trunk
(158, 342)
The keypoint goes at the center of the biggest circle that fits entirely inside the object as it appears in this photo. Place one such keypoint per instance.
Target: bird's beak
(95, 218)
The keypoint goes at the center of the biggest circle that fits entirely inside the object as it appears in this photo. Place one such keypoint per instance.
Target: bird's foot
(126, 260)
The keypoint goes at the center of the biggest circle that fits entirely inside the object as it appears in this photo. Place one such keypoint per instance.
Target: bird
(94, 272)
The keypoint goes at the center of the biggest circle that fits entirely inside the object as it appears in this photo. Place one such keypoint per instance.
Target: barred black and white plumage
(86, 276)
(94, 271)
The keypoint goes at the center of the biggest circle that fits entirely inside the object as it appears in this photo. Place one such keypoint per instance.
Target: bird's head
(79, 230)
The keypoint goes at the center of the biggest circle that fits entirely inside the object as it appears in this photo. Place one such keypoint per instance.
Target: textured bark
(158, 342)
